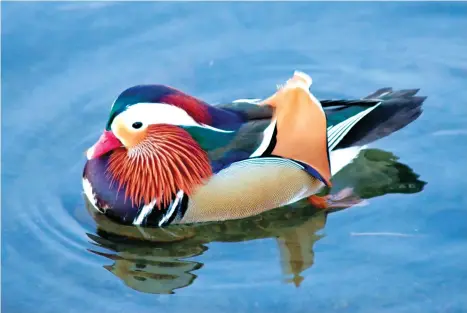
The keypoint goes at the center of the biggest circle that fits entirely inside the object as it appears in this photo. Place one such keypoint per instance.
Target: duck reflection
(159, 261)
(147, 267)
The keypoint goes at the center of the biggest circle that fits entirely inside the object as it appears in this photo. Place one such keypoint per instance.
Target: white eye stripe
(156, 113)
(160, 113)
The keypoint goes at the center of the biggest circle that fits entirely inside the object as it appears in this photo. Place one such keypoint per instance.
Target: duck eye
(137, 125)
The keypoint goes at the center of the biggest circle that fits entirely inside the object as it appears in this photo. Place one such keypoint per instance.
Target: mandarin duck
(166, 157)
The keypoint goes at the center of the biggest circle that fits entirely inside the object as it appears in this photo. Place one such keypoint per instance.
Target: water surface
(405, 251)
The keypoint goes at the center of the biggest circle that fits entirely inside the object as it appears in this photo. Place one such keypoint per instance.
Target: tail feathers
(340, 104)
(396, 110)
(378, 93)
(388, 93)
(405, 93)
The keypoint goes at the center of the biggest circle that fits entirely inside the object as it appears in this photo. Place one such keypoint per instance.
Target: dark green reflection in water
(158, 260)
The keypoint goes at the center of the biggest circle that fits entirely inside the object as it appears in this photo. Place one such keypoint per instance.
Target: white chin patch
(90, 153)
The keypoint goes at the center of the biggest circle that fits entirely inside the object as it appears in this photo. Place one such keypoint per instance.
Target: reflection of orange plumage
(301, 125)
(318, 201)
(170, 161)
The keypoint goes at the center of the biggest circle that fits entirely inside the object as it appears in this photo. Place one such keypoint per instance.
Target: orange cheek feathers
(130, 138)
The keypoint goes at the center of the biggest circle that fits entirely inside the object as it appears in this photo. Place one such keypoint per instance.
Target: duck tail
(380, 114)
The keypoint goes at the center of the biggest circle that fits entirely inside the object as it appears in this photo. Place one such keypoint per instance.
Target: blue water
(63, 64)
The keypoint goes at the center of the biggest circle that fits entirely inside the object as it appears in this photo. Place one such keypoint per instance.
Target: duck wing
(359, 122)
(350, 122)
(248, 138)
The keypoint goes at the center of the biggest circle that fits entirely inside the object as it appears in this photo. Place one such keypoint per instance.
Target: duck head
(148, 149)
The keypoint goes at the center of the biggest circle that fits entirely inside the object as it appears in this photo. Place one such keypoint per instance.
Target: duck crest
(196, 108)
(167, 161)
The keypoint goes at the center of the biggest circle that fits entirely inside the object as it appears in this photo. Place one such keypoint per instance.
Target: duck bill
(107, 142)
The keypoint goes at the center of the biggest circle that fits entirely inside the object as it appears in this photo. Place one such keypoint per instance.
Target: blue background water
(64, 63)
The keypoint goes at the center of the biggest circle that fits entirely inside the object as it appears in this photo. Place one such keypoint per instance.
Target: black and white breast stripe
(269, 140)
(152, 215)
(144, 212)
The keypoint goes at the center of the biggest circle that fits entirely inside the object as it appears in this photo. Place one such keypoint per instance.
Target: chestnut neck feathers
(166, 161)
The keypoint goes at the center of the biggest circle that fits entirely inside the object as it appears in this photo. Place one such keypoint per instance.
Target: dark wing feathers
(246, 140)
(250, 111)
(380, 114)
(396, 110)
(331, 104)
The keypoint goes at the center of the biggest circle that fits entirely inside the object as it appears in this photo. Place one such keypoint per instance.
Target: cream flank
(254, 186)
(250, 187)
